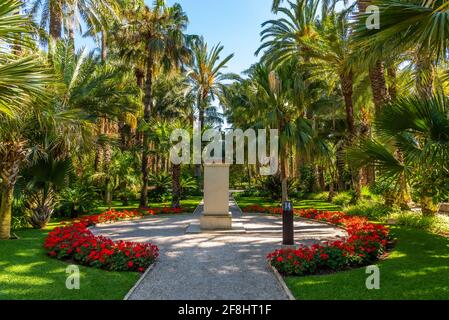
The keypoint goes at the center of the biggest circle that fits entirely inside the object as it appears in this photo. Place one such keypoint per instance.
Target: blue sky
(234, 23)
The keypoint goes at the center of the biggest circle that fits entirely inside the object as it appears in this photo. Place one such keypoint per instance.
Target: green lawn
(299, 204)
(189, 204)
(418, 269)
(27, 273)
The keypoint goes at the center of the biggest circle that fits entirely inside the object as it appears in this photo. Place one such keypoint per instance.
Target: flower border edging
(281, 282)
(137, 284)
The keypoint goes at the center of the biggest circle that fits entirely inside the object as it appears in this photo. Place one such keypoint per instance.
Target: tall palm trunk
(6, 199)
(284, 176)
(56, 19)
(12, 155)
(379, 86)
(347, 84)
(107, 130)
(104, 46)
(176, 186)
(340, 168)
(393, 87)
(425, 74)
(99, 147)
(148, 108)
(201, 118)
(376, 72)
(284, 167)
(106, 165)
(71, 27)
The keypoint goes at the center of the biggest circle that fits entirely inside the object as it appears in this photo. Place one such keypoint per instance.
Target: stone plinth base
(213, 222)
(444, 208)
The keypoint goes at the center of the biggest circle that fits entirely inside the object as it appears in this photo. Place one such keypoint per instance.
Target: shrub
(437, 224)
(322, 196)
(343, 198)
(272, 185)
(161, 184)
(78, 199)
(372, 210)
(19, 215)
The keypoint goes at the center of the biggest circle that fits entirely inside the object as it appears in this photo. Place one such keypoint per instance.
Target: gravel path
(213, 266)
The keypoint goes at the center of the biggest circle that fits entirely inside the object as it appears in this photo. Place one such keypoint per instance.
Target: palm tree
(21, 79)
(64, 14)
(272, 101)
(100, 91)
(376, 68)
(155, 38)
(409, 25)
(173, 104)
(207, 78)
(418, 129)
(282, 38)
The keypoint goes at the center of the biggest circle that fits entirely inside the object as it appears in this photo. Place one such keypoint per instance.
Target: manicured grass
(189, 204)
(298, 204)
(418, 269)
(27, 273)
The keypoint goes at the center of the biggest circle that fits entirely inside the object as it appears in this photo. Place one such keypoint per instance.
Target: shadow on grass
(418, 269)
(27, 273)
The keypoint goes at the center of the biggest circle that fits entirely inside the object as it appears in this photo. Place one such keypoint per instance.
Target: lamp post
(288, 224)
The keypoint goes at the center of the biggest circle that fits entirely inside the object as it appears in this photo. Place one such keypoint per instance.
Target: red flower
(365, 242)
(75, 242)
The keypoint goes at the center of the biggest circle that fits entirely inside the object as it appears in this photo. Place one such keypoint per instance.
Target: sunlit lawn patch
(418, 268)
(298, 204)
(26, 272)
(189, 204)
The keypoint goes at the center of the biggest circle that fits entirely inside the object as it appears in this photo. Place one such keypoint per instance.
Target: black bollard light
(287, 224)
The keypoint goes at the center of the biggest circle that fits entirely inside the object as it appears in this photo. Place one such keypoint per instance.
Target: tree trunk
(284, 167)
(428, 206)
(392, 89)
(201, 102)
(347, 91)
(106, 165)
(176, 176)
(71, 28)
(148, 108)
(321, 178)
(104, 46)
(378, 86)
(376, 72)
(425, 74)
(5, 212)
(99, 151)
(56, 19)
(12, 154)
(331, 191)
(341, 168)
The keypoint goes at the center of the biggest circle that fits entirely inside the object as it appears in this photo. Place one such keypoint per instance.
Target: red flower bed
(114, 216)
(365, 243)
(74, 241)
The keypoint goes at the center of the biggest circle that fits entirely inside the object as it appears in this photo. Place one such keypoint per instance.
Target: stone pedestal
(216, 215)
(444, 208)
